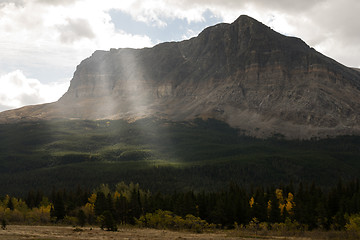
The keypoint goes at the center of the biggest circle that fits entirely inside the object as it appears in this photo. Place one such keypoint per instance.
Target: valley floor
(69, 233)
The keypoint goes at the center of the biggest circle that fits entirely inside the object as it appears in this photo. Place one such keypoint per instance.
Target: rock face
(244, 73)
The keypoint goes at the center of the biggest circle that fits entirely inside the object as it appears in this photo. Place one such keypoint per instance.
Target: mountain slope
(243, 73)
(163, 156)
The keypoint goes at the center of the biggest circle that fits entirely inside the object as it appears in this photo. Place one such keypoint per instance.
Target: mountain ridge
(243, 73)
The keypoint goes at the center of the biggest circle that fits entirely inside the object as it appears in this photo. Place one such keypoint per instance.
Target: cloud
(57, 2)
(17, 90)
(328, 25)
(57, 35)
(78, 27)
(75, 29)
(17, 2)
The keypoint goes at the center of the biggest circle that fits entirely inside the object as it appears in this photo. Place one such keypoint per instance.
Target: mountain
(243, 73)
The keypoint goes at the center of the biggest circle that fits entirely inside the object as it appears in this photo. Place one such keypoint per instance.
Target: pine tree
(121, 209)
(81, 218)
(10, 204)
(30, 199)
(38, 198)
(259, 209)
(3, 223)
(275, 212)
(100, 205)
(59, 207)
(108, 221)
(135, 209)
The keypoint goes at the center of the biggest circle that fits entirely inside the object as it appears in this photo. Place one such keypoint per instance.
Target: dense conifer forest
(161, 155)
(296, 208)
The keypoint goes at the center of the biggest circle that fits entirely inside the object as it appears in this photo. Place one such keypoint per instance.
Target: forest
(197, 175)
(291, 208)
(162, 155)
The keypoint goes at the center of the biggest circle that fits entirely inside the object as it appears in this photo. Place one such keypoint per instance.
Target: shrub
(167, 220)
(69, 220)
(353, 223)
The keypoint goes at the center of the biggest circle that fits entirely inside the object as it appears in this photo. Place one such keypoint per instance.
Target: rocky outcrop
(244, 73)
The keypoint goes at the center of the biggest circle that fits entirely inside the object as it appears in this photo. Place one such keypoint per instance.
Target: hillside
(163, 156)
(243, 73)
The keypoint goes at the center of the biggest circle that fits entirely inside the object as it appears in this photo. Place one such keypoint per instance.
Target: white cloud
(58, 34)
(328, 25)
(75, 29)
(17, 90)
(71, 30)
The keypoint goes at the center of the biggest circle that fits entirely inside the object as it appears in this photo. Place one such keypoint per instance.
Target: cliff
(243, 73)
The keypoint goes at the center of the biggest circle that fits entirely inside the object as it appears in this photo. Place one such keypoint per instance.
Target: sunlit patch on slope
(132, 89)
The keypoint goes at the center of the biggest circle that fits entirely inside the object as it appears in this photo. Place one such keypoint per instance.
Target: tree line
(301, 207)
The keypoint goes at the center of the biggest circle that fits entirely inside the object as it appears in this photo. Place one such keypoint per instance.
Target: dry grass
(69, 233)
(19, 232)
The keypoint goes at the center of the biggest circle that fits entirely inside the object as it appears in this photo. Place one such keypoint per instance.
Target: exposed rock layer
(243, 73)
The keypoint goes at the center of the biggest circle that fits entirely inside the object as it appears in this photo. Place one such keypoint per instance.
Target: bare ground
(18, 232)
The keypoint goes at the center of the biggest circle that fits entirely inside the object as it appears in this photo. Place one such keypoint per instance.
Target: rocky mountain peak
(251, 26)
(244, 73)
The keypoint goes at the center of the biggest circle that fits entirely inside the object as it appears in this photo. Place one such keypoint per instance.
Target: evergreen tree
(109, 204)
(100, 204)
(259, 209)
(59, 207)
(135, 209)
(121, 210)
(108, 221)
(30, 199)
(3, 223)
(10, 204)
(81, 218)
(38, 198)
(275, 214)
(217, 214)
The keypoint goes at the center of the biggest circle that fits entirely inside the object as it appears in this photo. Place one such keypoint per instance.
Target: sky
(42, 41)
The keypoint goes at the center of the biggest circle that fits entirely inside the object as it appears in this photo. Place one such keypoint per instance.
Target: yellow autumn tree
(269, 207)
(290, 204)
(251, 202)
(39, 215)
(92, 198)
(280, 198)
(116, 195)
(89, 207)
